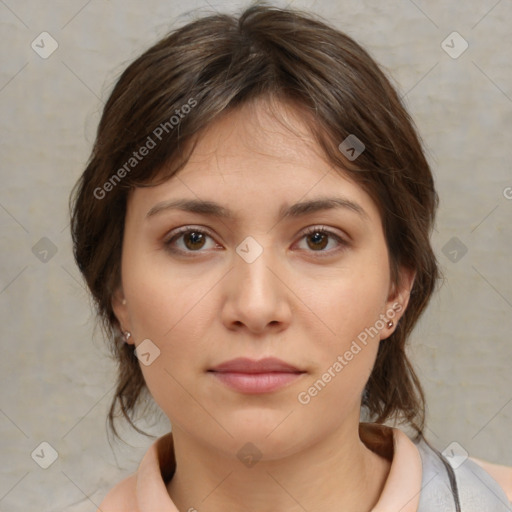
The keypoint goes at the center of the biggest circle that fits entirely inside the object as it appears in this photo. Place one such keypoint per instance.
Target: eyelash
(309, 231)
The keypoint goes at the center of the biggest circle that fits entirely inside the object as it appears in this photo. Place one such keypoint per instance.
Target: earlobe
(398, 299)
(119, 303)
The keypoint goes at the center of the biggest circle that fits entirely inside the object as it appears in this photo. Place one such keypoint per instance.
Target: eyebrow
(213, 209)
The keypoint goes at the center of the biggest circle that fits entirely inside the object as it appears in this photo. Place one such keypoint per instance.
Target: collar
(401, 490)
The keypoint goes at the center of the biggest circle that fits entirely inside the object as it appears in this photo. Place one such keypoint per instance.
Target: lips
(254, 377)
(250, 366)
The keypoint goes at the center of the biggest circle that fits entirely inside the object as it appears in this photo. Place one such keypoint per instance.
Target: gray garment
(477, 491)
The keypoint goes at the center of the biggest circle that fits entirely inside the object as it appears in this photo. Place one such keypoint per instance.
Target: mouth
(252, 377)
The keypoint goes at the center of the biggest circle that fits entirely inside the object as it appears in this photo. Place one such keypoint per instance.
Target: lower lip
(256, 382)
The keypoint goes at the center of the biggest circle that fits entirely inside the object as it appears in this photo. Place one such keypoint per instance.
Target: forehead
(258, 130)
(253, 156)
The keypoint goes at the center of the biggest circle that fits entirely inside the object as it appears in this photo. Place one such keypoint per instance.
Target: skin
(208, 305)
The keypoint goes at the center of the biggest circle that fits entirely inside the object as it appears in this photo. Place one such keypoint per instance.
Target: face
(311, 287)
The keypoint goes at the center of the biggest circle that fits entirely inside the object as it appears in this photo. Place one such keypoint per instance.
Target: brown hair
(217, 63)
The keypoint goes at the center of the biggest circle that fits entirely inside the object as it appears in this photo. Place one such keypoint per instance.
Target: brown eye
(194, 240)
(318, 240)
(191, 240)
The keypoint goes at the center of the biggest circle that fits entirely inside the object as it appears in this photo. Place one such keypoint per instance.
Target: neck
(338, 469)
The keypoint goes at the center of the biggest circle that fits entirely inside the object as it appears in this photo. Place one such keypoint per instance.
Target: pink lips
(249, 376)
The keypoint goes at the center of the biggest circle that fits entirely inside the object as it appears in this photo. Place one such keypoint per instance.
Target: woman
(253, 225)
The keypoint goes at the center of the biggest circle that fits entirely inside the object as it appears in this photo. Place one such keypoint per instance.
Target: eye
(317, 238)
(194, 239)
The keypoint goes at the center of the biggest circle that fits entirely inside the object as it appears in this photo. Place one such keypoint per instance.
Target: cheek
(349, 308)
(173, 326)
(175, 321)
(171, 310)
(348, 302)
(164, 296)
(344, 359)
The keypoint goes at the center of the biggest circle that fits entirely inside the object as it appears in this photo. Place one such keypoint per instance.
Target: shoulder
(444, 478)
(121, 498)
(502, 475)
(479, 488)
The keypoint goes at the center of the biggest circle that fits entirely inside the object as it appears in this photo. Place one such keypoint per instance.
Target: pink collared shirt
(146, 490)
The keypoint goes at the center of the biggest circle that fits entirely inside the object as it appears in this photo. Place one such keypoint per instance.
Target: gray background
(57, 378)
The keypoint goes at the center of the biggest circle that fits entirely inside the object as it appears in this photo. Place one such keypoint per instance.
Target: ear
(119, 305)
(398, 299)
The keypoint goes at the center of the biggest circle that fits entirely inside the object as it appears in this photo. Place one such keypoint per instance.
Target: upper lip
(245, 365)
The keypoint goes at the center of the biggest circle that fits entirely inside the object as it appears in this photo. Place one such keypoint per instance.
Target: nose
(257, 297)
